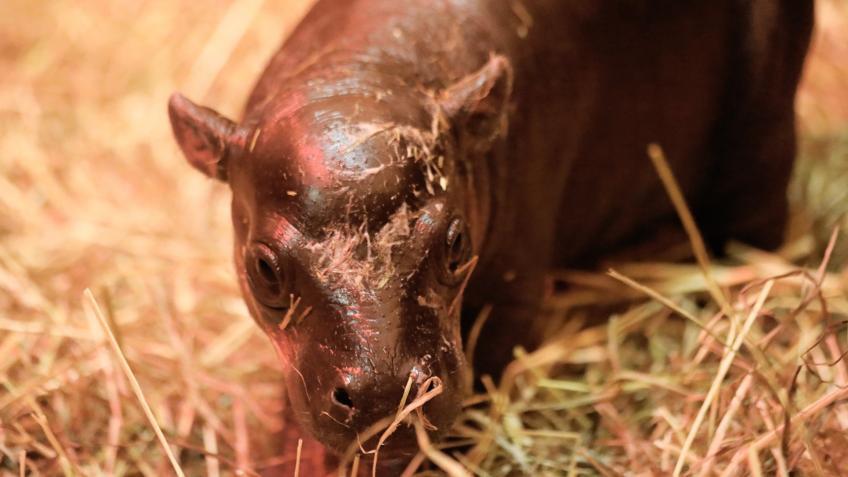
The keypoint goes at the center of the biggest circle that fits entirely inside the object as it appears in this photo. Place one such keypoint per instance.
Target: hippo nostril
(342, 398)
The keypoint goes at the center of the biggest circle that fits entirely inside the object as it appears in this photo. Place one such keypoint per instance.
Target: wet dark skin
(402, 163)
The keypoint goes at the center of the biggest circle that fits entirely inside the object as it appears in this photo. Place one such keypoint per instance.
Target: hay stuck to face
(655, 369)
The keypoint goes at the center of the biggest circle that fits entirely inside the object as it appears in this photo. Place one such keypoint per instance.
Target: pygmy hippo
(402, 163)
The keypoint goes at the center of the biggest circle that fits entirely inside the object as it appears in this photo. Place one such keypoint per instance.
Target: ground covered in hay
(121, 326)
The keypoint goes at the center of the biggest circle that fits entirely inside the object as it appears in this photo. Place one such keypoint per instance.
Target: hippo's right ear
(477, 104)
(206, 138)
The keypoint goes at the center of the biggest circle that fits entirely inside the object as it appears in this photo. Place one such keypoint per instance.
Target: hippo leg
(756, 142)
(515, 298)
(747, 201)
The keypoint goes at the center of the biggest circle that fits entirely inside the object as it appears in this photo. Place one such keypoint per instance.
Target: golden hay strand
(297, 457)
(657, 156)
(139, 394)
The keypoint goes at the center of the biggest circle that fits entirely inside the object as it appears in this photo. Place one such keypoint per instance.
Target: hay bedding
(738, 371)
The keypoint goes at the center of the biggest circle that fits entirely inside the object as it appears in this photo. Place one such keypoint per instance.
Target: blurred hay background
(94, 194)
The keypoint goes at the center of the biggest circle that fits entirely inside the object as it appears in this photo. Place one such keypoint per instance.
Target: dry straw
(730, 366)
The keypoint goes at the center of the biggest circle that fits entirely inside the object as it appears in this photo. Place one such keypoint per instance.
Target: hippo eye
(266, 278)
(457, 246)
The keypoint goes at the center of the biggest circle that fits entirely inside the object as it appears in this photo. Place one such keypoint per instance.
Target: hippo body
(402, 160)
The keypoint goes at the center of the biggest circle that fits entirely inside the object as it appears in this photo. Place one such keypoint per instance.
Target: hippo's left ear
(477, 104)
(206, 138)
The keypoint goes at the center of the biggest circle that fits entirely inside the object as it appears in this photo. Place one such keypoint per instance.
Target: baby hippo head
(356, 232)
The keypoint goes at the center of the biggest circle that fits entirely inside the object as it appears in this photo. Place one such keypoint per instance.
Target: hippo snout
(357, 404)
